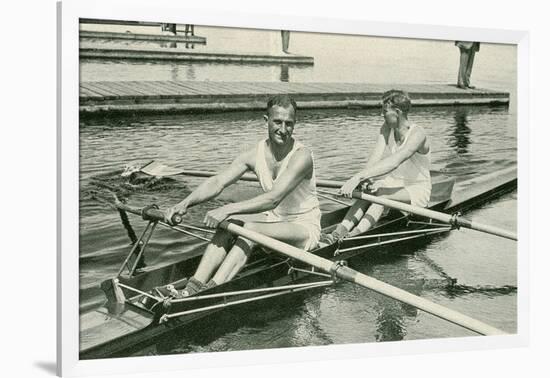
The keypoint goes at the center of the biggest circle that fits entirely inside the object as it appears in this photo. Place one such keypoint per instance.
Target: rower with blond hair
(398, 168)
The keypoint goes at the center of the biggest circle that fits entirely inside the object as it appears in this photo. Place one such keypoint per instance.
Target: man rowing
(287, 210)
(406, 166)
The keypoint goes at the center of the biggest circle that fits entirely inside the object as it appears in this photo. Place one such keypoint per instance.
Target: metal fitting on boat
(145, 210)
(455, 221)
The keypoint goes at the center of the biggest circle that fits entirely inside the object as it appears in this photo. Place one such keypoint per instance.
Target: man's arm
(380, 147)
(415, 141)
(213, 186)
(299, 167)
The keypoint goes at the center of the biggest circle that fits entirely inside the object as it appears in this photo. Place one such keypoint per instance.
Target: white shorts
(311, 221)
(419, 191)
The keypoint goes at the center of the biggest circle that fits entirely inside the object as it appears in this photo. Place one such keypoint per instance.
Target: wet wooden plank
(86, 92)
(100, 52)
(87, 34)
(222, 96)
(100, 89)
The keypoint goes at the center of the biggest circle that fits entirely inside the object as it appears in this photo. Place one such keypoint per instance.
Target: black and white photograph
(248, 189)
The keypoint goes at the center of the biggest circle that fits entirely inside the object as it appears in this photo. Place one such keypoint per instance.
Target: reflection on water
(389, 323)
(178, 71)
(461, 132)
(175, 45)
(284, 73)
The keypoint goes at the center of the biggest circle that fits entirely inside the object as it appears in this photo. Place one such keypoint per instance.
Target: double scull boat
(139, 307)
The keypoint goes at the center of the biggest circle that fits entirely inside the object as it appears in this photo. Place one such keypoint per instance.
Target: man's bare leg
(290, 233)
(212, 258)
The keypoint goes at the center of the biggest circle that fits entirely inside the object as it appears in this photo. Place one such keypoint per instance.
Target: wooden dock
(86, 34)
(94, 51)
(205, 96)
(103, 21)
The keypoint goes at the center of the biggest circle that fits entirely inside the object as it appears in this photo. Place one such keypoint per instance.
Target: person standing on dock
(285, 40)
(288, 210)
(169, 29)
(467, 52)
(189, 30)
(407, 167)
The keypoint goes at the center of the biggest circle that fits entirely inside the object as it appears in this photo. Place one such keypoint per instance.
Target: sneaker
(193, 287)
(183, 294)
(326, 239)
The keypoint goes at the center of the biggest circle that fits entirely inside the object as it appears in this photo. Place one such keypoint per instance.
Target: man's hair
(398, 99)
(283, 101)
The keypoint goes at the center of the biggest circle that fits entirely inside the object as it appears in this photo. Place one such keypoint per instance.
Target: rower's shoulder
(418, 130)
(303, 154)
(419, 139)
(248, 154)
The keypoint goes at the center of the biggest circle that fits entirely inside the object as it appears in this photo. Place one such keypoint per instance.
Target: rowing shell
(133, 320)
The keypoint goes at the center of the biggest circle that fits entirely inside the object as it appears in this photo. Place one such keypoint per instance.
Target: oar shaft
(251, 177)
(349, 274)
(442, 217)
(418, 302)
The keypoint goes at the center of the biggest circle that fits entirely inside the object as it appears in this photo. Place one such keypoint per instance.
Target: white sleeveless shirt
(414, 170)
(302, 201)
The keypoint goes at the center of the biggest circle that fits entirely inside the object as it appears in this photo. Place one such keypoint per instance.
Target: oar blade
(157, 169)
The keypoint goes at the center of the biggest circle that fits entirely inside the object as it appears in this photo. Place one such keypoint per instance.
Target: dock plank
(111, 87)
(124, 90)
(86, 34)
(159, 89)
(210, 96)
(99, 51)
(85, 93)
(181, 88)
(134, 88)
(100, 89)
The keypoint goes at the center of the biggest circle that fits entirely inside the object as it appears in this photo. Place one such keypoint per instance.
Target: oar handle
(151, 213)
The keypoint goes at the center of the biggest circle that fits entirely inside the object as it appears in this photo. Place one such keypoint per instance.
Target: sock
(340, 231)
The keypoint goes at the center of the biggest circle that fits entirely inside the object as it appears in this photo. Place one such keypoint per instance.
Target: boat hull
(131, 326)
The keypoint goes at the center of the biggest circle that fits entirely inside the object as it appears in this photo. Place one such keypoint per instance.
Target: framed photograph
(238, 188)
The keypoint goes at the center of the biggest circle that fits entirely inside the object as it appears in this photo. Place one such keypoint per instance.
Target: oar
(158, 169)
(454, 219)
(348, 274)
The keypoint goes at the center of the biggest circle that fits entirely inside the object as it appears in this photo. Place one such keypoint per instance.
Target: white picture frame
(68, 185)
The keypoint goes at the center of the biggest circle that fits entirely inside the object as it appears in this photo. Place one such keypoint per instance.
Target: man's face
(391, 114)
(280, 124)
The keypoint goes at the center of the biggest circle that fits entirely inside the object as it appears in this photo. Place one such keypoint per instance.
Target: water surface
(466, 142)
